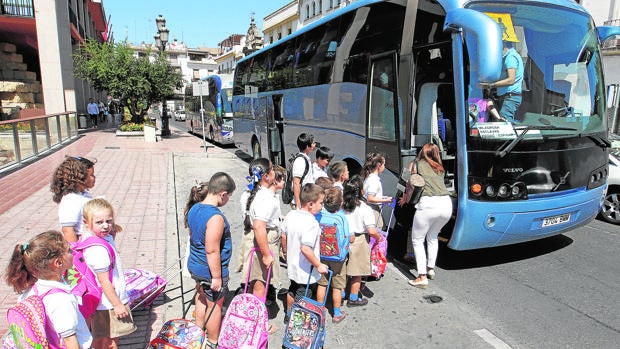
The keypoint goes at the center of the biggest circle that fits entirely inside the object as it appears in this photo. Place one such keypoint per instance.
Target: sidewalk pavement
(134, 176)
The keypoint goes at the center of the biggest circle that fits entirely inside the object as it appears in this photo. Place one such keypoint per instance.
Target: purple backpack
(246, 323)
(81, 278)
(29, 326)
(143, 287)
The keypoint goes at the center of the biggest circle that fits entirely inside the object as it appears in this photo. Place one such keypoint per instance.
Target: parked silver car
(610, 212)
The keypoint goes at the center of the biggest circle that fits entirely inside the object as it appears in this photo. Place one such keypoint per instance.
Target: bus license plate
(555, 220)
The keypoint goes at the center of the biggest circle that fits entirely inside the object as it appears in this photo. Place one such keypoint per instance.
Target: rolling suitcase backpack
(306, 325)
(246, 323)
(378, 250)
(143, 287)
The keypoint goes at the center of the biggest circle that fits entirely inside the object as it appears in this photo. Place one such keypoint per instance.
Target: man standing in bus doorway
(302, 166)
(508, 86)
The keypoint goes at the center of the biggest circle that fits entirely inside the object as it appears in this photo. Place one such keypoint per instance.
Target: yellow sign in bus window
(505, 24)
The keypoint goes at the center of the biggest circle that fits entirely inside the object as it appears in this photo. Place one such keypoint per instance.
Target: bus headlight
(490, 191)
(503, 190)
(487, 189)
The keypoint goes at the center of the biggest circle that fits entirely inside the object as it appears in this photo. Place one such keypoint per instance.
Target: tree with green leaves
(137, 81)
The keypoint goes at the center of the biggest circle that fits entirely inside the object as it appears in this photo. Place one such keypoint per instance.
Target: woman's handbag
(416, 185)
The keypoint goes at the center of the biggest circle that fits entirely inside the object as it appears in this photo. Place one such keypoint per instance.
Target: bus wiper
(599, 141)
(507, 147)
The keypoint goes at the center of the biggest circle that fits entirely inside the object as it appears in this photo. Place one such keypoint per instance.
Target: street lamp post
(161, 39)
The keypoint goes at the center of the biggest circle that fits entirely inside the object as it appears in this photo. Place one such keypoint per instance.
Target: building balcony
(19, 8)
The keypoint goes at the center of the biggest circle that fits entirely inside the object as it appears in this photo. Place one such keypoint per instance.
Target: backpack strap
(97, 241)
(306, 169)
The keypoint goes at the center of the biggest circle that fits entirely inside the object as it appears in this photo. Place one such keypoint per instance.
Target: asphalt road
(560, 292)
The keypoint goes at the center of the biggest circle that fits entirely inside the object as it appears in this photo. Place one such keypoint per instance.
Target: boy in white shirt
(303, 255)
(302, 166)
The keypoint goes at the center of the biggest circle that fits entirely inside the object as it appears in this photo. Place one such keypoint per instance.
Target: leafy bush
(131, 126)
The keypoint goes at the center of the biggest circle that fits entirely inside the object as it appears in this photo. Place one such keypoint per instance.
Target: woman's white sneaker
(430, 274)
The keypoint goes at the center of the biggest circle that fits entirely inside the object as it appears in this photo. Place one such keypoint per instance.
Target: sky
(196, 22)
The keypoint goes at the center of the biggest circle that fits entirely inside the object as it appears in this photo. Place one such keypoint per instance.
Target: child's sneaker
(360, 302)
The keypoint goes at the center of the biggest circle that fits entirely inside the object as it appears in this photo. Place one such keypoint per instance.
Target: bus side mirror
(606, 32)
(483, 39)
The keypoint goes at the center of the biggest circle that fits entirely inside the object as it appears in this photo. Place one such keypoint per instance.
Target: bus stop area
(148, 184)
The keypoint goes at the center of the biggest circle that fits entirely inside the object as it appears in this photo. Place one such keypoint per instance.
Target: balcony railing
(24, 139)
(20, 8)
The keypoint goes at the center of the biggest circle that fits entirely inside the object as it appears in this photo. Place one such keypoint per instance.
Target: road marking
(490, 338)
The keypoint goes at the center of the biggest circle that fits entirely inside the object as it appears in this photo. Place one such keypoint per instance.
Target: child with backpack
(35, 271)
(302, 245)
(70, 184)
(210, 254)
(362, 225)
(113, 317)
(301, 172)
(335, 240)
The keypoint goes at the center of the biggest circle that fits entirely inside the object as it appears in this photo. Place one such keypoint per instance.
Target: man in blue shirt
(509, 85)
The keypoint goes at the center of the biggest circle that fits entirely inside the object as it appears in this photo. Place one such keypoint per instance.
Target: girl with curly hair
(70, 184)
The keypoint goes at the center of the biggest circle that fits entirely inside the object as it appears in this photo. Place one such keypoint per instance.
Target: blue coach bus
(217, 104)
(390, 76)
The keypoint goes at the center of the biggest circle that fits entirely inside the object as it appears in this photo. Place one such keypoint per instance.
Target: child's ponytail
(258, 168)
(31, 259)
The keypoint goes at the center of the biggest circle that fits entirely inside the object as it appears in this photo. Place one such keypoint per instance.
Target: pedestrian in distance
(37, 267)
(332, 207)
(302, 166)
(373, 189)
(303, 256)
(70, 186)
(113, 318)
(210, 253)
(362, 225)
(339, 173)
(263, 207)
(433, 211)
(323, 156)
(93, 112)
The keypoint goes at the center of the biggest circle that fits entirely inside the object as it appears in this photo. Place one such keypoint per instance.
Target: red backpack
(29, 326)
(81, 278)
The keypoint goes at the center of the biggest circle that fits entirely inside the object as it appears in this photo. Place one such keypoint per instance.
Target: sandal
(271, 329)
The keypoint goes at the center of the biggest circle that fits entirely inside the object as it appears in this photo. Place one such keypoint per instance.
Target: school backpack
(179, 334)
(143, 287)
(334, 241)
(287, 191)
(29, 326)
(246, 323)
(82, 279)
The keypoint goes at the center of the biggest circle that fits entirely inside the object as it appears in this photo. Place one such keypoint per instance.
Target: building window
(307, 11)
(320, 6)
(279, 36)
(289, 31)
(331, 4)
(313, 9)
(271, 39)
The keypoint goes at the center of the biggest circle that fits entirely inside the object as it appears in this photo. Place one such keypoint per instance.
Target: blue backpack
(334, 235)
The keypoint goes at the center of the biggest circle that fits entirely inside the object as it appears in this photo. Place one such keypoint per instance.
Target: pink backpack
(29, 326)
(246, 323)
(82, 280)
(143, 287)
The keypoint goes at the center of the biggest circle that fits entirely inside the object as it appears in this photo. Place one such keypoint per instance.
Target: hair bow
(255, 178)
(24, 247)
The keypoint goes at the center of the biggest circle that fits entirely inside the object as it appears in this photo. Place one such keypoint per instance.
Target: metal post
(202, 115)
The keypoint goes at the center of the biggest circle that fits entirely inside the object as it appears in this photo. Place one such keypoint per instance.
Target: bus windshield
(557, 90)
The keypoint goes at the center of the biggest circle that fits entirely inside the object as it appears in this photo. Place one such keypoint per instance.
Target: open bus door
(382, 126)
